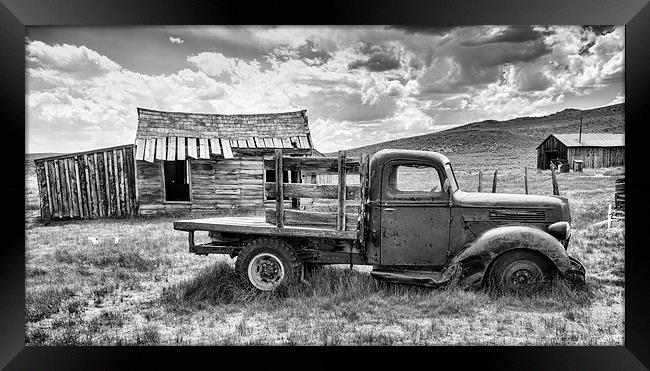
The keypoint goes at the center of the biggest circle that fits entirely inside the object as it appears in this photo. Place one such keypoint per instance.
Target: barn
(212, 163)
(594, 149)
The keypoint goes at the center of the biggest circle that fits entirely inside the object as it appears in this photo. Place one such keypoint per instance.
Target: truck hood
(479, 199)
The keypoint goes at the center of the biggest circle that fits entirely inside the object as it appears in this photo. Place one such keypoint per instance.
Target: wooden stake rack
(350, 198)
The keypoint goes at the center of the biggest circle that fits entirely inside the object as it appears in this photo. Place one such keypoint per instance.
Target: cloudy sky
(359, 85)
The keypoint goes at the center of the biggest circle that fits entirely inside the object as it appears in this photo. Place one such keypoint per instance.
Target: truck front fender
(472, 264)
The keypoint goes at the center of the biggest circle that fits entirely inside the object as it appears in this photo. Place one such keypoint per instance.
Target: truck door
(415, 214)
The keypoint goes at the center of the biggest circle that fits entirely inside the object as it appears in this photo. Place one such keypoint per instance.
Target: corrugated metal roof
(591, 139)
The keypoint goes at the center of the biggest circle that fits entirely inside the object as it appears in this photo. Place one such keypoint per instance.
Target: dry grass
(145, 288)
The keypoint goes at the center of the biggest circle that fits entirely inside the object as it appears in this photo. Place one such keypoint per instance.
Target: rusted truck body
(413, 224)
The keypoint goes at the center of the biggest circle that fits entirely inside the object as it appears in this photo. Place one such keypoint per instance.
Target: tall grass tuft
(558, 295)
(44, 303)
(109, 256)
(220, 284)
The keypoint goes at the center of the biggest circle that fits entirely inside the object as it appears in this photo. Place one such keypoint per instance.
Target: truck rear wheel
(520, 271)
(266, 263)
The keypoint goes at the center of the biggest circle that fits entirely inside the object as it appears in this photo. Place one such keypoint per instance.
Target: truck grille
(518, 215)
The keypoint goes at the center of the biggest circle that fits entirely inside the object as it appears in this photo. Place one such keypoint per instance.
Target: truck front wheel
(266, 263)
(520, 271)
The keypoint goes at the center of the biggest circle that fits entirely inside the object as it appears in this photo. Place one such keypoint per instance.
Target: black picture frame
(15, 15)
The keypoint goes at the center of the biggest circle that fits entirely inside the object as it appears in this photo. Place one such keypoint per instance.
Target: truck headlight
(561, 230)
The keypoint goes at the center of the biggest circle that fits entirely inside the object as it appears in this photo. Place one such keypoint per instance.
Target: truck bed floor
(258, 226)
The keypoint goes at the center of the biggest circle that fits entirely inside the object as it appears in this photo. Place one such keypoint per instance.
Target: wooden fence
(556, 189)
(348, 205)
(86, 185)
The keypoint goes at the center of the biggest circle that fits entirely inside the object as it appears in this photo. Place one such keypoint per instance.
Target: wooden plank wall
(202, 173)
(251, 183)
(228, 184)
(216, 186)
(88, 185)
(595, 157)
(151, 186)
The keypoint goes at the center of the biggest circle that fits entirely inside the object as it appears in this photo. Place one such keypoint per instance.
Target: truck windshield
(451, 177)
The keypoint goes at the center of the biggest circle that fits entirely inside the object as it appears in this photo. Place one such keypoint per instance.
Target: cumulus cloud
(618, 99)
(379, 58)
(530, 77)
(176, 40)
(519, 73)
(72, 59)
(579, 72)
(311, 53)
(95, 104)
(377, 62)
(213, 64)
(427, 30)
(510, 34)
(360, 85)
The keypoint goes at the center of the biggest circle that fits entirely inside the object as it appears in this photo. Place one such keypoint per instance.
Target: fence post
(480, 180)
(609, 216)
(526, 179)
(363, 183)
(556, 190)
(342, 184)
(494, 181)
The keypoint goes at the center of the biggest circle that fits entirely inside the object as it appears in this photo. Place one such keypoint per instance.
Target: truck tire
(520, 271)
(266, 263)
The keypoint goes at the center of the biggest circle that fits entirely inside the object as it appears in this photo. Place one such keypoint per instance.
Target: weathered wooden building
(212, 163)
(84, 185)
(595, 149)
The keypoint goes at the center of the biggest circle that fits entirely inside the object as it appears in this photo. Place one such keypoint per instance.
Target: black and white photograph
(381, 185)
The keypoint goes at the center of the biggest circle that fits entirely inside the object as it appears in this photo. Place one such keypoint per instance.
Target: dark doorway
(551, 156)
(177, 187)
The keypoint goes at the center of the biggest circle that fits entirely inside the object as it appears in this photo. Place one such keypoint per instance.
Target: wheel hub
(265, 271)
(269, 270)
(522, 276)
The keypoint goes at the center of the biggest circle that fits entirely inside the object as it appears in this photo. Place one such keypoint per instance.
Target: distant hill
(510, 136)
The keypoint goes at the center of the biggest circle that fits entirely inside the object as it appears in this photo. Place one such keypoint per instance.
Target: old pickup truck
(406, 216)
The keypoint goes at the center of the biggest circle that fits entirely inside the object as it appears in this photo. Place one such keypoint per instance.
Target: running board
(429, 279)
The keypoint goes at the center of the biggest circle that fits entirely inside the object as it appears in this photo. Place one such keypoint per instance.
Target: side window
(414, 182)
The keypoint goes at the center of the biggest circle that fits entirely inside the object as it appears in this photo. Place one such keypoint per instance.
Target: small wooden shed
(208, 163)
(594, 149)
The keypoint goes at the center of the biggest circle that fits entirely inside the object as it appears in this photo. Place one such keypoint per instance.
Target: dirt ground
(137, 284)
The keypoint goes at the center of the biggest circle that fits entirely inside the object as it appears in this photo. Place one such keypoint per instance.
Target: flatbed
(258, 226)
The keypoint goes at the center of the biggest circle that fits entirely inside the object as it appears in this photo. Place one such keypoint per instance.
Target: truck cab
(420, 220)
(409, 208)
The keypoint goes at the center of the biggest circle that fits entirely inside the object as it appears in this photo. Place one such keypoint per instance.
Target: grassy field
(138, 285)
